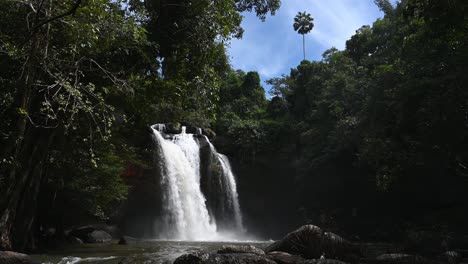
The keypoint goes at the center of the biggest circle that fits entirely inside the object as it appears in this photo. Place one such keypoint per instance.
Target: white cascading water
(185, 215)
(231, 189)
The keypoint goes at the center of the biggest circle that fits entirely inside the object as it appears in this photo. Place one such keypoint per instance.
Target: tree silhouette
(303, 24)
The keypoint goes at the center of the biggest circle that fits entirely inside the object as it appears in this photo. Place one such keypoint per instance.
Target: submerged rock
(284, 258)
(229, 258)
(241, 249)
(10, 257)
(311, 242)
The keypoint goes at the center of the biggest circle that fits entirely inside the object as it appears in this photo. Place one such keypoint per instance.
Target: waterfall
(186, 214)
(230, 189)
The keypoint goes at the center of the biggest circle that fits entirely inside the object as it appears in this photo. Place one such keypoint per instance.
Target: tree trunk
(303, 44)
(19, 215)
(26, 210)
(18, 148)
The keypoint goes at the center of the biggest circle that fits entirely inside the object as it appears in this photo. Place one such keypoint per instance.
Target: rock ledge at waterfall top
(176, 128)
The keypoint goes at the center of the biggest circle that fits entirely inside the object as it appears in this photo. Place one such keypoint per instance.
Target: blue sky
(273, 47)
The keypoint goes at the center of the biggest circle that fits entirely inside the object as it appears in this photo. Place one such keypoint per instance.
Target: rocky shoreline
(307, 245)
(311, 245)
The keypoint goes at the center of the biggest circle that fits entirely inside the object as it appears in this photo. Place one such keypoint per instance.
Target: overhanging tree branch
(71, 11)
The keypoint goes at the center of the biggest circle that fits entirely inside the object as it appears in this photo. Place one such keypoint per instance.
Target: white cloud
(272, 47)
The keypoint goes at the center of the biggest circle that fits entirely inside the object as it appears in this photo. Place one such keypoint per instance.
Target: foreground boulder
(311, 242)
(241, 249)
(10, 257)
(228, 258)
(284, 258)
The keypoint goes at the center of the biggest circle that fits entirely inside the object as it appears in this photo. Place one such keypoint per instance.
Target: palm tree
(303, 24)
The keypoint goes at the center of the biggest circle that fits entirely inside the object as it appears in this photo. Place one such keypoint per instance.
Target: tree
(61, 68)
(303, 24)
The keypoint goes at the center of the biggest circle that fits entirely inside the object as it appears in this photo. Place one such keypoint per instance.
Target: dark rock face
(311, 242)
(209, 133)
(241, 249)
(98, 236)
(190, 128)
(284, 258)
(231, 258)
(10, 257)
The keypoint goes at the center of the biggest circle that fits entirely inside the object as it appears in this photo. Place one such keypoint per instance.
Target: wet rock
(10, 257)
(209, 133)
(398, 258)
(190, 128)
(241, 249)
(202, 141)
(231, 258)
(98, 236)
(284, 258)
(311, 242)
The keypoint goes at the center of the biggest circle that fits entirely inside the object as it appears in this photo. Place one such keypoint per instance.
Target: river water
(145, 251)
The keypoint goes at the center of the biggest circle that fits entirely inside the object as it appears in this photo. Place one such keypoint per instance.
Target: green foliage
(392, 101)
(93, 184)
(82, 81)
